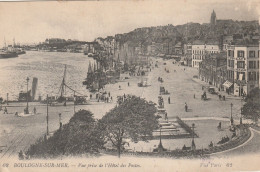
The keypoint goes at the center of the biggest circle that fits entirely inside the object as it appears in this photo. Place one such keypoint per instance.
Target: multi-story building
(200, 49)
(213, 69)
(227, 40)
(155, 48)
(178, 49)
(242, 68)
(188, 54)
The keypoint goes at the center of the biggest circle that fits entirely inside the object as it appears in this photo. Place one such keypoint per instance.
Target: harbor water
(48, 67)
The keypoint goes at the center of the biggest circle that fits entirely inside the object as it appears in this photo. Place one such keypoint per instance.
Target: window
(252, 76)
(240, 53)
(251, 53)
(241, 64)
(230, 63)
(230, 53)
(252, 64)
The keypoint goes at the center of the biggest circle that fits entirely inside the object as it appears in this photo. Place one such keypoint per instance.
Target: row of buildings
(235, 70)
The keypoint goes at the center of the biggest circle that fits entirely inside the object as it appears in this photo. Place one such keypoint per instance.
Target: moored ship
(8, 54)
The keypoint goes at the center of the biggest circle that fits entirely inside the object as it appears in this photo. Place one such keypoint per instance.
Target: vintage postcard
(130, 85)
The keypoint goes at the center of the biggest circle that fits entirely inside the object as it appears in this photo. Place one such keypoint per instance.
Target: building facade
(213, 69)
(199, 51)
(188, 54)
(243, 68)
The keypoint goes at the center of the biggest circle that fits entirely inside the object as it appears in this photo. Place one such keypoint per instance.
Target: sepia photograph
(151, 85)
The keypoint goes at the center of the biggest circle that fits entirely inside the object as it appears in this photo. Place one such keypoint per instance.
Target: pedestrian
(166, 117)
(5, 111)
(21, 155)
(90, 96)
(119, 87)
(186, 107)
(194, 96)
(108, 94)
(34, 110)
(169, 100)
(128, 84)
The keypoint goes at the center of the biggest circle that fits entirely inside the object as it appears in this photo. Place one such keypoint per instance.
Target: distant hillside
(188, 32)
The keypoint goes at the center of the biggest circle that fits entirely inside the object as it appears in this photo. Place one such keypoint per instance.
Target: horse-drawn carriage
(160, 102)
(163, 91)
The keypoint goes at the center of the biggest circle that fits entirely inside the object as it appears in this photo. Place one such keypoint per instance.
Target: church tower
(213, 18)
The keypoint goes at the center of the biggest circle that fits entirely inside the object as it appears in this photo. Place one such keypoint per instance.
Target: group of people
(221, 97)
(223, 140)
(121, 99)
(5, 109)
(106, 97)
(160, 79)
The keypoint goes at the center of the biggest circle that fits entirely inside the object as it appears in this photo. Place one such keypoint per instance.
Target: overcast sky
(35, 21)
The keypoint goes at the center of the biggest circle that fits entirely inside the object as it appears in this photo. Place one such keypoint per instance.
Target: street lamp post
(231, 117)
(60, 120)
(241, 103)
(160, 146)
(193, 146)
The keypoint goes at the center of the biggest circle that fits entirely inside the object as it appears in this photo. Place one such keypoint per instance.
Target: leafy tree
(79, 136)
(133, 119)
(251, 108)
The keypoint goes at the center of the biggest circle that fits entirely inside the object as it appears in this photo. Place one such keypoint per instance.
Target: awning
(227, 84)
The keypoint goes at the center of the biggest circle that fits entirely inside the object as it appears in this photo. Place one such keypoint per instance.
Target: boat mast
(63, 83)
(4, 43)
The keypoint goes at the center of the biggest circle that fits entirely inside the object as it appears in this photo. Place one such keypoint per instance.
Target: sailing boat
(77, 99)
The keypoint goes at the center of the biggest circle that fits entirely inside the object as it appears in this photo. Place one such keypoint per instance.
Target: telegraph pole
(47, 117)
(7, 99)
(74, 101)
(231, 117)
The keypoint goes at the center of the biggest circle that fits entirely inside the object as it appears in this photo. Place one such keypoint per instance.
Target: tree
(133, 119)
(79, 136)
(251, 108)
